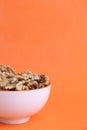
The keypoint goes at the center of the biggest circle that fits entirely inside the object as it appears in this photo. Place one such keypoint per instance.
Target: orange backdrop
(49, 36)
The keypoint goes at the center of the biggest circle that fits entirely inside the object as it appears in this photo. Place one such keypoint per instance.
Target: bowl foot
(19, 121)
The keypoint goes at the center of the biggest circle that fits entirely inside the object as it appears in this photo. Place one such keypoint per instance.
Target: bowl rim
(15, 91)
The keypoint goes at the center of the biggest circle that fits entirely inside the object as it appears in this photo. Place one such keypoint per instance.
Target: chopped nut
(19, 77)
(20, 87)
(10, 80)
(2, 77)
(41, 85)
(11, 70)
(10, 87)
(3, 68)
(13, 80)
(36, 77)
(44, 80)
(27, 75)
(3, 83)
(25, 87)
(8, 75)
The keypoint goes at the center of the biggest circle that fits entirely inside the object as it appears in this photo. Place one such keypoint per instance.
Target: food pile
(11, 81)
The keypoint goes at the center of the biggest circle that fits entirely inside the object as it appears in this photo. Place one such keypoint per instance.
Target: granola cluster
(11, 81)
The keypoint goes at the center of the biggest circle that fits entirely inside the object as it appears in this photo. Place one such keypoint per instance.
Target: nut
(44, 79)
(9, 87)
(26, 75)
(36, 77)
(10, 80)
(13, 80)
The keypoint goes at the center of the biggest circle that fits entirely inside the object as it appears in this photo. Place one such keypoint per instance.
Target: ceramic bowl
(17, 107)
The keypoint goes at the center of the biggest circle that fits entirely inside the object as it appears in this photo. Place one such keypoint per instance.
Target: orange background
(49, 36)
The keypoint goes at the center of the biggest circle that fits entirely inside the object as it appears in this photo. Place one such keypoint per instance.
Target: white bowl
(16, 107)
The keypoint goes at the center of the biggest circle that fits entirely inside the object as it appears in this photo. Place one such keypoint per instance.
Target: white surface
(16, 105)
(20, 121)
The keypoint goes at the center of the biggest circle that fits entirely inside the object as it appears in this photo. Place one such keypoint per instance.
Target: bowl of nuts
(21, 94)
